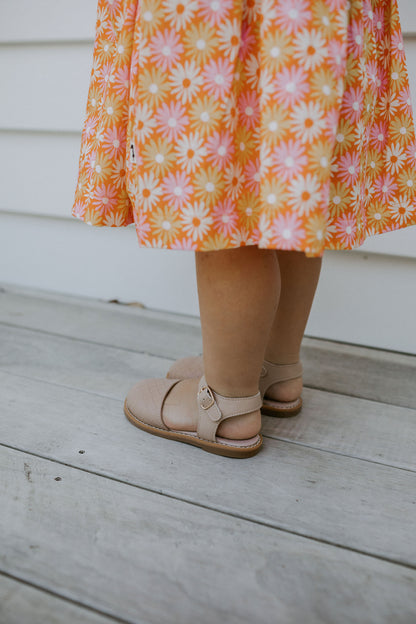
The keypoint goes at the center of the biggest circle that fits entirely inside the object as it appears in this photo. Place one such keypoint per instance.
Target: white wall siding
(365, 296)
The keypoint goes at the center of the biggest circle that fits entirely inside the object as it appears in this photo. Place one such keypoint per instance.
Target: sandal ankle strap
(273, 373)
(213, 408)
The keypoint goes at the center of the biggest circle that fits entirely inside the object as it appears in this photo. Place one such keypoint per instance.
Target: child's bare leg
(299, 279)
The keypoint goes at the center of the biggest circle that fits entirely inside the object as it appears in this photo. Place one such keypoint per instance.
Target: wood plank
(161, 560)
(22, 604)
(329, 421)
(329, 497)
(47, 20)
(362, 372)
(97, 322)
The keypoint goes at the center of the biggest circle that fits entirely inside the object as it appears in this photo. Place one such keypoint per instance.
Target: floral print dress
(213, 124)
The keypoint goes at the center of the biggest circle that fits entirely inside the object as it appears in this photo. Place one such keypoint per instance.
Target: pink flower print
(336, 57)
(411, 154)
(288, 159)
(332, 119)
(346, 228)
(353, 103)
(287, 231)
(165, 48)
(114, 140)
(247, 40)
(113, 7)
(220, 149)
(397, 47)
(90, 163)
(372, 73)
(225, 217)
(185, 244)
(104, 198)
(382, 80)
(104, 75)
(214, 12)
(368, 14)
(142, 227)
(405, 101)
(249, 109)
(177, 188)
(89, 127)
(356, 38)
(378, 22)
(349, 167)
(171, 120)
(252, 175)
(385, 187)
(335, 5)
(292, 15)
(291, 85)
(218, 77)
(79, 210)
(378, 136)
(121, 81)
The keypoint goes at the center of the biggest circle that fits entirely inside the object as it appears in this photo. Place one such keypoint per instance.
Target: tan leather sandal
(144, 406)
(192, 367)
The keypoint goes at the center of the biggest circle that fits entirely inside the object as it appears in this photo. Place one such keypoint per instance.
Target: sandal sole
(293, 408)
(217, 448)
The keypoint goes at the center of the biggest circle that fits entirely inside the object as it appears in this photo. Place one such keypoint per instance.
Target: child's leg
(299, 279)
(238, 293)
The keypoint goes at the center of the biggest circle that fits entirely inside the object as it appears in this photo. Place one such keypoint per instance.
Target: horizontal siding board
(46, 86)
(47, 164)
(54, 20)
(47, 20)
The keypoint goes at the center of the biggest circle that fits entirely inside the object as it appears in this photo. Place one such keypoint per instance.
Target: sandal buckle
(209, 395)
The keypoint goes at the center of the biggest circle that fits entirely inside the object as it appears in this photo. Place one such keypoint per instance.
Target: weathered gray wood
(384, 376)
(355, 427)
(341, 500)
(105, 323)
(152, 559)
(357, 371)
(22, 604)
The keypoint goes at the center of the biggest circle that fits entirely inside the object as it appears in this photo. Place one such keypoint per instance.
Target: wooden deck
(101, 522)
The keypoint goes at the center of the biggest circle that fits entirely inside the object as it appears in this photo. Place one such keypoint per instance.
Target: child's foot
(180, 413)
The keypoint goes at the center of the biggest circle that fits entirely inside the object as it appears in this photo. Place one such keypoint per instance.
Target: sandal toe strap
(213, 408)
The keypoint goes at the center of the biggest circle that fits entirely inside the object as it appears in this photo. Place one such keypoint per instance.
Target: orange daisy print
(213, 124)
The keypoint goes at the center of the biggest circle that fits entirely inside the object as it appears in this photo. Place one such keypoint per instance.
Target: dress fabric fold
(213, 124)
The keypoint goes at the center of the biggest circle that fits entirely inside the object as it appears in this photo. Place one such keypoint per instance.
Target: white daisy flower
(196, 220)
(179, 12)
(401, 209)
(144, 122)
(185, 80)
(148, 190)
(190, 151)
(308, 120)
(310, 48)
(265, 230)
(229, 35)
(253, 70)
(265, 85)
(304, 193)
(395, 157)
